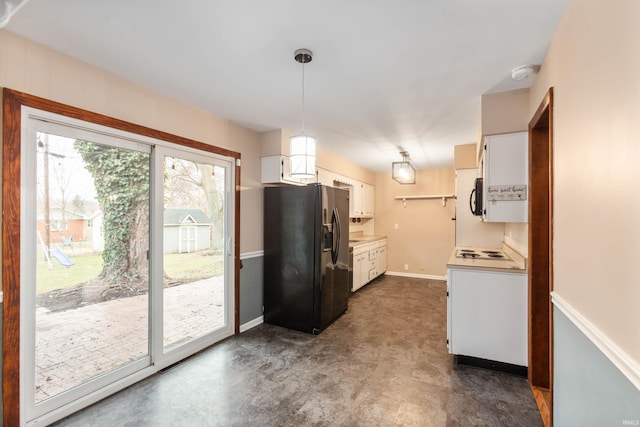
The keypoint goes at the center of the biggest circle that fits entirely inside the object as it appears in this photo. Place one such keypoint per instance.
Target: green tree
(121, 179)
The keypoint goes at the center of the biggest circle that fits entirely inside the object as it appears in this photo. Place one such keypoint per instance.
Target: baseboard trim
(508, 368)
(255, 254)
(611, 350)
(251, 324)
(415, 276)
(543, 400)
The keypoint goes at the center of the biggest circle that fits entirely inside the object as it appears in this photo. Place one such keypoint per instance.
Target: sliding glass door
(125, 260)
(85, 280)
(195, 253)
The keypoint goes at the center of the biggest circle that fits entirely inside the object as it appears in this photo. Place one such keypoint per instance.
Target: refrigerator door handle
(336, 245)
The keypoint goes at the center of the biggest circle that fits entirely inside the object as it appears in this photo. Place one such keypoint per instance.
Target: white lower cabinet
(487, 315)
(369, 262)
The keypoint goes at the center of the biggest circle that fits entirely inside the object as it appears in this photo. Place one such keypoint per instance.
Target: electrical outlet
(406, 267)
(395, 226)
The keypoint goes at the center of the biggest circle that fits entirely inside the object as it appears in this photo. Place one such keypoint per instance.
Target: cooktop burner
(468, 254)
(481, 254)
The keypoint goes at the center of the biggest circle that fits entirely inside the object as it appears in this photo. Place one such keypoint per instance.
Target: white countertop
(362, 239)
(517, 263)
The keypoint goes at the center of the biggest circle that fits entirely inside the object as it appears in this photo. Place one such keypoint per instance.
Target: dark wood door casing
(541, 256)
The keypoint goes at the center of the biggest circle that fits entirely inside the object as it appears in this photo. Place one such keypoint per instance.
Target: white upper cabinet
(277, 169)
(361, 200)
(367, 201)
(506, 178)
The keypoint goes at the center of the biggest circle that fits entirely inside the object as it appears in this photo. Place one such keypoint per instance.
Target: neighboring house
(94, 227)
(68, 226)
(186, 230)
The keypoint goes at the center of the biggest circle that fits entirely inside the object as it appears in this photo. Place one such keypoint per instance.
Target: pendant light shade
(303, 156)
(302, 152)
(403, 172)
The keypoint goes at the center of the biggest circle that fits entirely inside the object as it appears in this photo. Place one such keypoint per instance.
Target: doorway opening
(541, 257)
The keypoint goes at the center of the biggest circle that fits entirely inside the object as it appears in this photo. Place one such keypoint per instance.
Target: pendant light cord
(303, 62)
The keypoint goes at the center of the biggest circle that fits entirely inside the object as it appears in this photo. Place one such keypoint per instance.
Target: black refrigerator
(306, 256)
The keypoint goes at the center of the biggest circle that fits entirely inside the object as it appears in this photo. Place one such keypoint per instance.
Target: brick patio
(75, 345)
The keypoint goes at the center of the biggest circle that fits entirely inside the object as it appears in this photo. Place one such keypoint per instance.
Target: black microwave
(475, 203)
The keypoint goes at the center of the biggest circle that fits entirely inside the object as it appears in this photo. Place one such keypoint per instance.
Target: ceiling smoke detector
(524, 72)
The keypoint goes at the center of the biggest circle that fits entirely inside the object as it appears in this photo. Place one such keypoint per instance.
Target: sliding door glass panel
(91, 283)
(193, 249)
(126, 259)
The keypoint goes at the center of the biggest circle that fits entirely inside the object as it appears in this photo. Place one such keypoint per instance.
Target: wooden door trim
(540, 335)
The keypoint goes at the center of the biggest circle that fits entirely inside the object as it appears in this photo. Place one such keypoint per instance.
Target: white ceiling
(385, 74)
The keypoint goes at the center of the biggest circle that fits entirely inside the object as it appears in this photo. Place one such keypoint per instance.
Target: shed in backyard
(186, 230)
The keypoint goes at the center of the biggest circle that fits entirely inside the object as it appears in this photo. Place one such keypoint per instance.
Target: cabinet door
(361, 200)
(382, 260)
(364, 269)
(355, 284)
(506, 165)
(277, 169)
(355, 200)
(360, 271)
(367, 200)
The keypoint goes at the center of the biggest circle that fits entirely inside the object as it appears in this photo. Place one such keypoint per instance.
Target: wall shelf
(442, 197)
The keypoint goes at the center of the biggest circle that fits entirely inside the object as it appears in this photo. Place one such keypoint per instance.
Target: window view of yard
(92, 265)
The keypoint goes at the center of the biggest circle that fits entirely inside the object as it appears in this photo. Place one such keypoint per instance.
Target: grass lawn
(85, 268)
(183, 267)
(192, 266)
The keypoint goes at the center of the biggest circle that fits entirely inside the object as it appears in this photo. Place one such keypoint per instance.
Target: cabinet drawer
(373, 273)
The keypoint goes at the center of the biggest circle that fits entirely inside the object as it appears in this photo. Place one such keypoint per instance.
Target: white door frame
(48, 411)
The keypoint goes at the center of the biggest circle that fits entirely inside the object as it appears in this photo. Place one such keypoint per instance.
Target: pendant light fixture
(302, 146)
(403, 172)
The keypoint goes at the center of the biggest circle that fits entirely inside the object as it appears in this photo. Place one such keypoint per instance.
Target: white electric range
(487, 308)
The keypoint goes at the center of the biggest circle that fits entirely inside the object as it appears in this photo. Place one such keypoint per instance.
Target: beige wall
(594, 66)
(465, 157)
(425, 235)
(505, 112)
(334, 163)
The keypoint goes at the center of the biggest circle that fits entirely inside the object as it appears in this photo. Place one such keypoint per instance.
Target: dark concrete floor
(383, 363)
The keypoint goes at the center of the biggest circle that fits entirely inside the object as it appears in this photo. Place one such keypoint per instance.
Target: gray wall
(251, 289)
(588, 389)
(1, 395)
